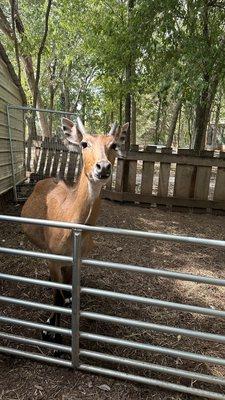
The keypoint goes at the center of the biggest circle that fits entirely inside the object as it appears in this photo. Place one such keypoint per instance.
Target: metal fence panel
(76, 353)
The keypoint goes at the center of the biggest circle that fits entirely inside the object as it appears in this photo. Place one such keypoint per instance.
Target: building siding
(9, 94)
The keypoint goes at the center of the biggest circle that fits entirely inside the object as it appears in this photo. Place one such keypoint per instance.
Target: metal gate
(77, 354)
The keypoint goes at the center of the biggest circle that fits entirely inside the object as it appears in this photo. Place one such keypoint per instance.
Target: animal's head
(98, 151)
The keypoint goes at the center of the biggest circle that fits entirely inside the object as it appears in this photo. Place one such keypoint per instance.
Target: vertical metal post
(76, 297)
(12, 155)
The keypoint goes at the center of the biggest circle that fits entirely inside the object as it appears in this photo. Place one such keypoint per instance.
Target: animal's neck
(85, 200)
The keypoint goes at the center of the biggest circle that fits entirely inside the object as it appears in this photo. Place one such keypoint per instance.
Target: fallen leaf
(104, 387)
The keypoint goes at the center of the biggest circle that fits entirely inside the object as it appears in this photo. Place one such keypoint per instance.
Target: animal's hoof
(48, 336)
(68, 302)
(57, 353)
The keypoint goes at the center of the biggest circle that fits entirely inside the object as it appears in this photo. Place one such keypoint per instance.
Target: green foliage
(173, 45)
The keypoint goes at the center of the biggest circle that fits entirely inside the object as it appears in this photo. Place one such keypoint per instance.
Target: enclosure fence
(35, 156)
(162, 177)
(151, 175)
(78, 353)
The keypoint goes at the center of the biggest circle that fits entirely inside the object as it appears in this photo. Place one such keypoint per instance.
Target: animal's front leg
(58, 300)
(54, 319)
(67, 279)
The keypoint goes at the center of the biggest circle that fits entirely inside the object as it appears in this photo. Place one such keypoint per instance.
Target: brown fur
(59, 202)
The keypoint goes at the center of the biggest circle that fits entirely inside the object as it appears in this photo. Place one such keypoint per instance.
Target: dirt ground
(24, 379)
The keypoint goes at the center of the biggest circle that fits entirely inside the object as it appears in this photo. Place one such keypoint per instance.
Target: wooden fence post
(148, 172)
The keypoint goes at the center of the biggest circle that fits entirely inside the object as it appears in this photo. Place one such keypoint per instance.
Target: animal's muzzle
(103, 169)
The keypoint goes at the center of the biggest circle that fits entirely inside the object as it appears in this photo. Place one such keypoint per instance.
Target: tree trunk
(51, 106)
(217, 119)
(133, 121)
(26, 59)
(121, 110)
(179, 128)
(173, 123)
(28, 64)
(203, 109)
(158, 120)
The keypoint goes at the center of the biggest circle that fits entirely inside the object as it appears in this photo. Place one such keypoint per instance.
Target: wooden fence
(151, 176)
(51, 158)
(162, 178)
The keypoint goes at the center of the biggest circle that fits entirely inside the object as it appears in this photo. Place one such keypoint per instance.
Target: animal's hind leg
(58, 300)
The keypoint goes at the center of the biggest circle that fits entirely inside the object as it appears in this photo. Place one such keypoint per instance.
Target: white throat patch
(94, 188)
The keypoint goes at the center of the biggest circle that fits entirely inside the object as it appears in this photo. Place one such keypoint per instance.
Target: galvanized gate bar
(153, 367)
(26, 108)
(152, 382)
(32, 304)
(152, 302)
(35, 254)
(158, 272)
(157, 349)
(31, 281)
(154, 327)
(36, 342)
(35, 325)
(116, 231)
(34, 356)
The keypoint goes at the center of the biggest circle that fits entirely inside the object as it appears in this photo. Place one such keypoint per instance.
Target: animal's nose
(103, 169)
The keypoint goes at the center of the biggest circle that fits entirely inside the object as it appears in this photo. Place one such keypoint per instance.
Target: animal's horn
(80, 126)
(113, 129)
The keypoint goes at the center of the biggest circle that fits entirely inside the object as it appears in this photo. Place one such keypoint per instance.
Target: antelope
(79, 203)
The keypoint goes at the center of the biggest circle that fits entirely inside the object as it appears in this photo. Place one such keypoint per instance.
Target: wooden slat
(72, 166)
(49, 158)
(16, 116)
(119, 175)
(9, 86)
(164, 175)
(44, 149)
(17, 134)
(3, 68)
(7, 182)
(63, 164)
(219, 192)
(202, 183)
(185, 179)
(79, 165)
(9, 96)
(132, 176)
(5, 146)
(148, 172)
(5, 157)
(6, 170)
(55, 163)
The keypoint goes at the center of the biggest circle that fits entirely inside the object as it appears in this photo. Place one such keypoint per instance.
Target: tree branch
(42, 45)
(14, 8)
(5, 25)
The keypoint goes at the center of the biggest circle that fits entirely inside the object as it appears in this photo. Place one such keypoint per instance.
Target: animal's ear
(119, 133)
(72, 134)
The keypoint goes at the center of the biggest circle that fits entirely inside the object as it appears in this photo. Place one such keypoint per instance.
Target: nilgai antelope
(79, 203)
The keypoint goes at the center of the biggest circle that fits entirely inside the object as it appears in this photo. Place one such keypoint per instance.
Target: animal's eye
(84, 145)
(113, 146)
